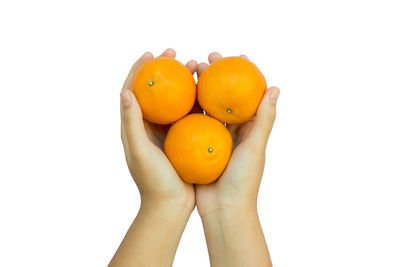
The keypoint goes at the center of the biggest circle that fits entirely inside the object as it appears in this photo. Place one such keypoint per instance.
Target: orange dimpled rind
(199, 148)
(165, 90)
(231, 89)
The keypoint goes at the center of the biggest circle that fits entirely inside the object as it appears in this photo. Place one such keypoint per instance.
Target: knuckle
(127, 117)
(271, 116)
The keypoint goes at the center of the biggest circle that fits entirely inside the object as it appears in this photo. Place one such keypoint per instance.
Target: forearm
(153, 237)
(235, 238)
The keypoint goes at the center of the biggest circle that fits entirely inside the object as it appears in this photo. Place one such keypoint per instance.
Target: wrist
(227, 214)
(165, 210)
(233, 235)
(228, 207)
(168, 199)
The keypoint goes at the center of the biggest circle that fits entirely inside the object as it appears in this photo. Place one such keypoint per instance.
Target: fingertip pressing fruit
(165, 90)
(231, 89)
(199, 148)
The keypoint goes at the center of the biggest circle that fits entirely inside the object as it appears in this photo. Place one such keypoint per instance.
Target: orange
(199, 148)
(165, 90)
(231, 89)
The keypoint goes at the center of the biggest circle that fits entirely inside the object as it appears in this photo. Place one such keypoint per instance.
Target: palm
(156, 133)
(230, 186)
(157, 167)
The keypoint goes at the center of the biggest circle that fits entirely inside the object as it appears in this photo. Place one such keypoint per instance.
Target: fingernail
(273, 95)
(126, 98)
(146, 54)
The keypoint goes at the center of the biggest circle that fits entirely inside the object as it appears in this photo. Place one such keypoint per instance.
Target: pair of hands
(158, 182)
(228, 207)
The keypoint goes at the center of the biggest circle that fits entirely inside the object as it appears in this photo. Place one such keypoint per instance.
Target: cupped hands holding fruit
(143, 139)
(213, 159)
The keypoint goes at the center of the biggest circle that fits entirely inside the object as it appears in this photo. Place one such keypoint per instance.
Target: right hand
(158, 182)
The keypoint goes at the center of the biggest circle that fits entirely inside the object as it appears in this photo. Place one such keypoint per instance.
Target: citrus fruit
(165, 90)
(231, 89)
(199, 148)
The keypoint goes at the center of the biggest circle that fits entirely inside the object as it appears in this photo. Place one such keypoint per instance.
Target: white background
(330, 193)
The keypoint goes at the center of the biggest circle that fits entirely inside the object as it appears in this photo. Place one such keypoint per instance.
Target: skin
(166, 201)
(228, 207)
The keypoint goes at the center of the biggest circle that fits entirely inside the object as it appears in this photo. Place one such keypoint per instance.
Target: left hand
(237, 188)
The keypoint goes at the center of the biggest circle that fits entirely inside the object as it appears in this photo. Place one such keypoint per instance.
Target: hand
(237, 187)
(167, 201)
(143, 142)
(228, 207)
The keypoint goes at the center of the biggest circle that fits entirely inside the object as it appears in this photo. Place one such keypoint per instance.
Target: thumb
(265, 117)
(132, 126)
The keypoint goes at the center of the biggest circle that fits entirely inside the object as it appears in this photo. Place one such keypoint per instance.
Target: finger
(265, 117)
(214, 56)
(169, 53)
(131, 121)
(233, 128)
(145, 57)
(200, 68)
(192, 66)
(244, 57)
